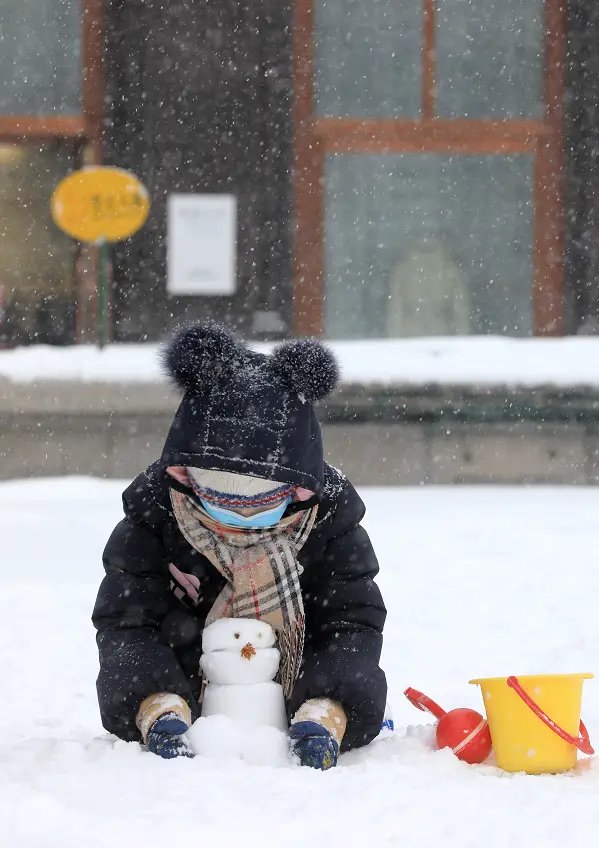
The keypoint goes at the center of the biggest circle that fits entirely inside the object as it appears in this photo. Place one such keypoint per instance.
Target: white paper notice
(201, 234)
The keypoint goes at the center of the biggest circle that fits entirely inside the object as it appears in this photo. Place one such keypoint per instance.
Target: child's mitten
(316, 732)
(314, 745)
(165, 737)
(162, 719)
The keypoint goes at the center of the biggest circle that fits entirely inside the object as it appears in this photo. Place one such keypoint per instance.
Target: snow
(478, 360)
(257, 705)
(240, 663)
(230, 667)
(221, 737)
(231, 634)
(478, 582)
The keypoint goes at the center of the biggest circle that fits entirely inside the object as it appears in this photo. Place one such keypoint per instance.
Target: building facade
(417, 168)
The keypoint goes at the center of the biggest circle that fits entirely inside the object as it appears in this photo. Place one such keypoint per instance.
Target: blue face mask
(268, 518)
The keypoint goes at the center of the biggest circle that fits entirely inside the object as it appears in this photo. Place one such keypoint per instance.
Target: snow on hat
(237, 491)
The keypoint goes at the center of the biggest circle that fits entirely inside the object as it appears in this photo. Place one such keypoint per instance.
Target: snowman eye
(259, 635)
(237, 635)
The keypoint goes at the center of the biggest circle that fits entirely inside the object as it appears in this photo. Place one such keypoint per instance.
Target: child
(242, 517)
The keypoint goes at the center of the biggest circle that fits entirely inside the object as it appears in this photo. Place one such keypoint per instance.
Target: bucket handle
(582, 742)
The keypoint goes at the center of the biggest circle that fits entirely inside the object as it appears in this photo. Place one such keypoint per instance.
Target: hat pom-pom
(308, 367)
(198, 354)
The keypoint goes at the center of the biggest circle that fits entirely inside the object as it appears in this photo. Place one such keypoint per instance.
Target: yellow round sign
(100, 204)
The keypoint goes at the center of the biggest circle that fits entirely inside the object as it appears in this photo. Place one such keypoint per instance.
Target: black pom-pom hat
(247, 412)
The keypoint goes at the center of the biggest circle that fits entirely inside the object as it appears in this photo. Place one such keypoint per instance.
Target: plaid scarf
(262, 574)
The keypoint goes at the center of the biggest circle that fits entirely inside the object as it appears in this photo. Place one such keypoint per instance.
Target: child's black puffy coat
(149, 641)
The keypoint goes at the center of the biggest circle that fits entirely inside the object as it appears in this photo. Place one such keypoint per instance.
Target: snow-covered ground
(478, 582)
(477, 360)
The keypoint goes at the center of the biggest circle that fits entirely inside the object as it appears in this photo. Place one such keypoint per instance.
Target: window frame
(83, 131)
(314, 138)
(86, 126)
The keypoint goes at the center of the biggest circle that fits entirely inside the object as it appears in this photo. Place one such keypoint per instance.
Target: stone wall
(398, 436)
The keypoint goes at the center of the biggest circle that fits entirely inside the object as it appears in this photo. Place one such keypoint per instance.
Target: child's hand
(314, 745)
(165, 737)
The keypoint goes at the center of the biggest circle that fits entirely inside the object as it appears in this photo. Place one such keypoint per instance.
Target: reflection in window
(489, 57)
(368, 58)
(36, 259)
(40, 57)
(428, 245)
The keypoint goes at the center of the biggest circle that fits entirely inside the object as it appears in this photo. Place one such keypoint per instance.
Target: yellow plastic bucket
(535, 720)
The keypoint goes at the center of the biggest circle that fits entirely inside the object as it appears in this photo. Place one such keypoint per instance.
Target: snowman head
(238, 634)
(239, 650)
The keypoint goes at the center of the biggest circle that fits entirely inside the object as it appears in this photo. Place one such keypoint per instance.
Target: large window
(368, 58)
(428, 153)
(40, 57)
(489, 58)
(426, 244)
(50, 113)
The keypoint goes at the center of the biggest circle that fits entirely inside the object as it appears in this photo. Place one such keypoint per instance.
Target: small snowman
(243, 709)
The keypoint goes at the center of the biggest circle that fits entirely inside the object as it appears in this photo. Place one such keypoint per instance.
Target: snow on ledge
(477, 360)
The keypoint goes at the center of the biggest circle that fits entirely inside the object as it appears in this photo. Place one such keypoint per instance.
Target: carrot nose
(248, 651)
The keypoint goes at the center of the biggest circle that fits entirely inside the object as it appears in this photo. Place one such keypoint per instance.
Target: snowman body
(240, 661)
